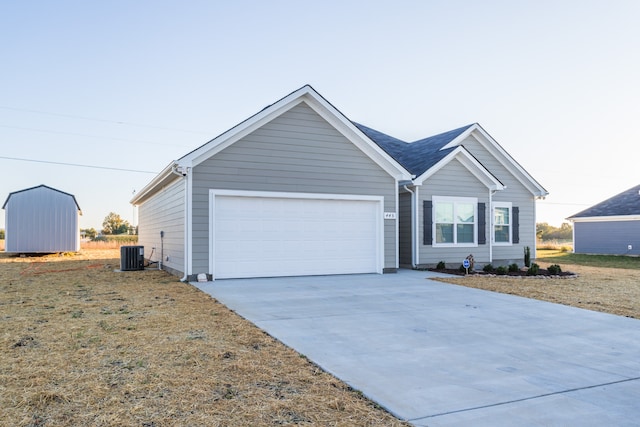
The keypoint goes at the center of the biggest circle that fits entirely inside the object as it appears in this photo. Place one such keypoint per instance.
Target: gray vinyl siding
(518, 195)
(41, 220)
(164, 212)
(607, 237)
(404, 228)
(296, 152)
(453, 180)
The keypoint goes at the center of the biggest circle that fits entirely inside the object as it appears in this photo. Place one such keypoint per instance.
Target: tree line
(113, 224)
(545, 231)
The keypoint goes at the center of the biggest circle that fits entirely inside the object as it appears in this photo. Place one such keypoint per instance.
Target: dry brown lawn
(82, 345)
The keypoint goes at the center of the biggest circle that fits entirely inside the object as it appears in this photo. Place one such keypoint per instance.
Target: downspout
(184, 173)
(490, 237)
(413, 229)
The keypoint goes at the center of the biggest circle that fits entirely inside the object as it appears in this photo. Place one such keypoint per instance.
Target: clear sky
(136, 84)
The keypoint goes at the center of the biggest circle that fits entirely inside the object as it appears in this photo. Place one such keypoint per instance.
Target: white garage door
(293, 236)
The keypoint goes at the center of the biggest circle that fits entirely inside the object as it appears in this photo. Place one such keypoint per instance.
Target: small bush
(501, 270)
(554, 269)
(487, 268)
(533, 270)
(527, 256)
(441, 266)
(462, 269)
(513, 268)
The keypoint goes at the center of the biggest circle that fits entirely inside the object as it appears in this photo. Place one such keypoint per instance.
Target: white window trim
(493, 224)
(455, 200)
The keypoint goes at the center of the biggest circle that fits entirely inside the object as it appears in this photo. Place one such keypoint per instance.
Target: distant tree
(91, 233)
(1, 234)
(565, 231)
(114, 224)
(542, 229)
(545, 231)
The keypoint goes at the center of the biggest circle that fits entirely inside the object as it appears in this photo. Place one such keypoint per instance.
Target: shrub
(501, 270)
(527, 256)
(554, 269)
(534, 269)
(441, 266)
(513, 268)
(462, 269)
(487, 268)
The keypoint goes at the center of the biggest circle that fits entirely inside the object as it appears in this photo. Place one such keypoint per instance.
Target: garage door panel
(263, 236)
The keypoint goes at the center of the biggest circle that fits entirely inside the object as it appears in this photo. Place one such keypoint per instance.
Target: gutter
(183, 171)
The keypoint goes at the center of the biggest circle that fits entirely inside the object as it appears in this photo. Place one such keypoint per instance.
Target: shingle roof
(418, 156)
(625, 203)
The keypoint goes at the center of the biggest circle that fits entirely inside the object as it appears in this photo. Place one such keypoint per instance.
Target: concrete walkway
(444, 355)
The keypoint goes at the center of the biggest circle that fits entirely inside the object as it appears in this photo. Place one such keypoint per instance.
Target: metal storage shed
(41, 220)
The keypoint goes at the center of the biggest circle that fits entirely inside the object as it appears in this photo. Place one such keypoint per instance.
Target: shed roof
(42, 186)
(623, 204)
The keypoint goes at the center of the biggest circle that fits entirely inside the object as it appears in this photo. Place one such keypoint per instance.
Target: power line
(87, 135)
(76, 165)
(563, 204)
(94, 119)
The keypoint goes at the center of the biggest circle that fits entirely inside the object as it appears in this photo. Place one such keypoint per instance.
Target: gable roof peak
(45, 187)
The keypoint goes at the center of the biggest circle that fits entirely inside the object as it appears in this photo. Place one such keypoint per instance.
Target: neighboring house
(610, 227)
(299, 189)
(41, 220)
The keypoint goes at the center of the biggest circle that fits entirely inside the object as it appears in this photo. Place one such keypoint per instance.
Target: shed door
(291, 236)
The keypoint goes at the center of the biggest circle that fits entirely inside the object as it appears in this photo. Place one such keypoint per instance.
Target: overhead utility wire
(118, 122)
(87, 135)
(76, 165)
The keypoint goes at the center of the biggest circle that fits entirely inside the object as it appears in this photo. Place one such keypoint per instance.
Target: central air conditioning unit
(131, 258)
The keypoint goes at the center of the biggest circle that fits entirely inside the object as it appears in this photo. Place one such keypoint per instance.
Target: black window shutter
(482, 224)
(427, 221)
(515, 224)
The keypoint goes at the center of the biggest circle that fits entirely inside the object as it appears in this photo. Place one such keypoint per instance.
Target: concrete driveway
(444, 355)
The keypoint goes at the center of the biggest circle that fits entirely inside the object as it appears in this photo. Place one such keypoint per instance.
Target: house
(299, 189)
(41, 220)
(609, 227)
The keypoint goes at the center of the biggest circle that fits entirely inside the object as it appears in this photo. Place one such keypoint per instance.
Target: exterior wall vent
(131, 258)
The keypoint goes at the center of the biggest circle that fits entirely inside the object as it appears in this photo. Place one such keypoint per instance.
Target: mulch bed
(542, 273)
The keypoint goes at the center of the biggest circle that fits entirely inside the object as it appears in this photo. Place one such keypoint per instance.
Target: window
(502, 223)
(454, 221)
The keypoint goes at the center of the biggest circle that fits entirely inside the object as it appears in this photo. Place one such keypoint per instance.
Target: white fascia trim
(287, 195)
(163, 178)
(356, 136)
(316, 102)
(501, 156)
(612, 218)
(470, 163)
(509, 162)
(244, 128)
